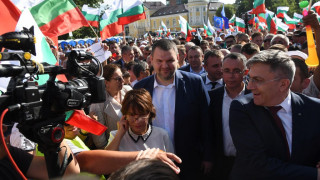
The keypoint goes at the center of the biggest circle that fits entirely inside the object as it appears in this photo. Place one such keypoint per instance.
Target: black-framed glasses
(119, 79)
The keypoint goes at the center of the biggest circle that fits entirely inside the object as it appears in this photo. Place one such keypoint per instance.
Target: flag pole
(93, 30)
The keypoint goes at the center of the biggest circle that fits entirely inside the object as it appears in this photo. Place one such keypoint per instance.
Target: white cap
(218, 39)
(298, 53)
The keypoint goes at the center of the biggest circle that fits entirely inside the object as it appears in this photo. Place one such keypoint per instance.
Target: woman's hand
(123, 125)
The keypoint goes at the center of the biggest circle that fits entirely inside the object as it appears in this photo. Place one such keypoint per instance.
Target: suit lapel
(180, 97)
(150, 84)
(297, 123)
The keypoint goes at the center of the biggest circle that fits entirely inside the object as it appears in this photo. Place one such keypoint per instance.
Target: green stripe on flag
(257, 3)
(90, 17)
(112, 18)
(133, 11)
(47, 10)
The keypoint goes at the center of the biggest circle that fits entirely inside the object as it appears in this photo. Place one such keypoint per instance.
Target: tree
(229, 9)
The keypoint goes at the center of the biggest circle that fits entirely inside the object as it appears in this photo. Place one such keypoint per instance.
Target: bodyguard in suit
(181, 103)
(127, 55)
(213, 65)
(195, 58)
(234, 66)
(276, 132)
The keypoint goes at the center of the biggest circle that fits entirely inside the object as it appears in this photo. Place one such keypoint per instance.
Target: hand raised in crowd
(123, 126)
(311, 19)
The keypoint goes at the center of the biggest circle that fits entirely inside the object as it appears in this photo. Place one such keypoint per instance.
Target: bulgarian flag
(298, 17)
(262, 26)
(258, 7)
(231, 21)
(109, 24)
(281, 10)
(91, 14)
(316, 7)
(272, 27)
(262, 17)
(240, 24)
(43, 51)
(185, 28)
(57, 17)
(9, 16)
(210, 27)
(207, 30)
(290, 22)
(133, 10)
(163, 26)
(282, 26)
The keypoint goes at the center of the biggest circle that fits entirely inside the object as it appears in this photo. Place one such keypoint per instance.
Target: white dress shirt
(228, 146)
(198, 73)
(285, 114)
(164, 98)
(208, 84)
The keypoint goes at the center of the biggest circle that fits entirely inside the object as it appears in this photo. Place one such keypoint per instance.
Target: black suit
(222, 164)
(261, 148)
(185, 68)
(190, 121)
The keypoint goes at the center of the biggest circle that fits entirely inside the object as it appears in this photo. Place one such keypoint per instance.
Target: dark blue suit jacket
(261, 150)
(191, 121)
(185, 68)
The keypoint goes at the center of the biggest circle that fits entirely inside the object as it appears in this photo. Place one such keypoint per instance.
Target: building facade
(196, 12)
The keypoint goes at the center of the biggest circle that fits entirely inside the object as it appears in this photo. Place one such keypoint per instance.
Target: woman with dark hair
(109, 113)
(135, 131)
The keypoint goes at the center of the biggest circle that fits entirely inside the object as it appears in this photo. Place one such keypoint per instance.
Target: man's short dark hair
(195, 48)
(250, 48)
(236, 56)
(231, 36)
(176, 41)
(164, 44)
(256, 34)
(205, 42)
(126, 49)
(212, 53)
(139, 67)
(304, 74)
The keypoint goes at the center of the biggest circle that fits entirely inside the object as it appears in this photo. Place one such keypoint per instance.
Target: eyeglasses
(132, 117)
(259, 82)
(119, 79)
(234, 72)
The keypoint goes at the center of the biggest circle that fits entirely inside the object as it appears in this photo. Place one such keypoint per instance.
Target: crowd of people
(230, 106)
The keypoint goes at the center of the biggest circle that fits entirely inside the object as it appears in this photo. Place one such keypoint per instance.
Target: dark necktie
(213, 85)
(277, 120)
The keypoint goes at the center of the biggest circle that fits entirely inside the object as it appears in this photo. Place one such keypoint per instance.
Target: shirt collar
(286, 104)
(156, 84)
(144, 136)
(201, 72)
(240, 94)
(208, 81)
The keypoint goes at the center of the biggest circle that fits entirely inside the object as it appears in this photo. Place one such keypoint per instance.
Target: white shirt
(312, 89)
(164, 98)
(200, 72)
(208, 84)
(228, 146)
(134, 82)
(285, 114)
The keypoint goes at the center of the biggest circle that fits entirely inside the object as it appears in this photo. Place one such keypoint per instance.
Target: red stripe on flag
(130, 19)
(64, 23)
(9, 16)
(111, 30)
(93, 23)
(259, 9)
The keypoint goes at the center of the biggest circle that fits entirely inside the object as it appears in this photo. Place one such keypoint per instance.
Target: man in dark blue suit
(233, 68)
(276, 132)
(181, 103)
(195, 57)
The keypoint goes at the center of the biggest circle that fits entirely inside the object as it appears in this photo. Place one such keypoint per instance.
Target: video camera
(40, 110)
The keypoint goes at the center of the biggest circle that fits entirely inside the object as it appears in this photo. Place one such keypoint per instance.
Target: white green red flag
(231, 21)
(316, 7)
(281, 10)
(206, 30)
(185, 28)
(9, 16)
(133, 10)
(43, 51)
(240, 24)
(210, 27)
(298, 17)
(163, 26)
(109, 24)
(272, 28)
(56, 17)
(282, 26)
(290, 21)
(91, 14)
(258, 7)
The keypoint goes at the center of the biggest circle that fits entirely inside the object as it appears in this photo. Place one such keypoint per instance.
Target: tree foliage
(229, 9)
